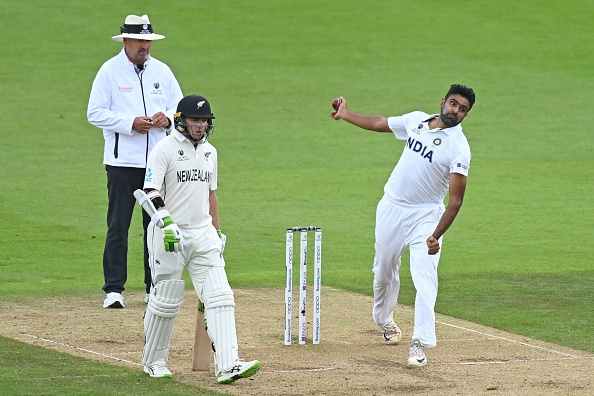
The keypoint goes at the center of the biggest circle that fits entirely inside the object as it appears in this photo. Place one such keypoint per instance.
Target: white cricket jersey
(184, 176)
(422, 174)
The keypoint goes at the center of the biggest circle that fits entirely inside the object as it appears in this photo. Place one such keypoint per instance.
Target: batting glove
(223, 240)
(172, 236)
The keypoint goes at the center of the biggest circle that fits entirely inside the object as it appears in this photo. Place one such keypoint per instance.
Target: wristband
(160, 215)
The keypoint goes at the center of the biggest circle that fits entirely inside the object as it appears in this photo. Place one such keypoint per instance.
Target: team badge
(156, 85)
(420, 126)
(436, 141)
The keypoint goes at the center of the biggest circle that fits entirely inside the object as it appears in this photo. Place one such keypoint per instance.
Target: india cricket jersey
(184, 176)
(423, 172)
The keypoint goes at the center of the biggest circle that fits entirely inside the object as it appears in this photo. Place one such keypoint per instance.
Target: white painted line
(138, 364)
(64, 377)
(509, 340)
(81, 349)
(521, 361)
(300, 371)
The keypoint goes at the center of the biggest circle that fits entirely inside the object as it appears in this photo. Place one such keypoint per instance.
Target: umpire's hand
(142, 124)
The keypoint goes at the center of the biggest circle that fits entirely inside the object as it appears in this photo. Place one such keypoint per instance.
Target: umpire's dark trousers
(121, 183)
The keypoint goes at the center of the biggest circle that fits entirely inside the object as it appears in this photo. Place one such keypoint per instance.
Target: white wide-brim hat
(137, 27)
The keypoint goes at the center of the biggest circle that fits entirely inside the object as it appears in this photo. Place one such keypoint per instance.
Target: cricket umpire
(133, 98)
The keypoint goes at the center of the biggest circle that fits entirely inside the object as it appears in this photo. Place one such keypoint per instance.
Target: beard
(450, 120)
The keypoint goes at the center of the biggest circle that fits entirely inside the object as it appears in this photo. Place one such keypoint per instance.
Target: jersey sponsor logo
(149, 175)
(206, 155)
(461, 165)
(125, 89)
(420, 148)
(190, 175)
(156, 85)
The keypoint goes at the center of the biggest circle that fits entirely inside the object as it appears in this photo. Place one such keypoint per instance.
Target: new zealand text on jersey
(189, 175)
(420, 148)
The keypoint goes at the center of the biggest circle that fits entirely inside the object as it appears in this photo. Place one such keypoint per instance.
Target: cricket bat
(202, 344)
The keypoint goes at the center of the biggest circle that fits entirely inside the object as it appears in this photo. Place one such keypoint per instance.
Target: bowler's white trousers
(398, 226)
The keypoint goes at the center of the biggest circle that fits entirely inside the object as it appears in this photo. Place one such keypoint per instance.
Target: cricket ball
(335, 104)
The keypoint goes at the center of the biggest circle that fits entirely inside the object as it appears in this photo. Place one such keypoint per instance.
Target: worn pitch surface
(352, 358)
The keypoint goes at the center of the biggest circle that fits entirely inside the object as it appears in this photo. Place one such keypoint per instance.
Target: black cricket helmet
(193, 106)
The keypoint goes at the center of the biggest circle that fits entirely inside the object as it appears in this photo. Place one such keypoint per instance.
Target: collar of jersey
(448, 131)
(179, 136)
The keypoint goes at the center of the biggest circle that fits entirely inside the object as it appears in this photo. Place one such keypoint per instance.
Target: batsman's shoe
(158, 369)
(113, 300)
(416, 355)
(239, 370)
(392, 333)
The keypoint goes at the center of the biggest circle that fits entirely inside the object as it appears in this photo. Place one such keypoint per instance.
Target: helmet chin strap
(194, 141)
(182, 128)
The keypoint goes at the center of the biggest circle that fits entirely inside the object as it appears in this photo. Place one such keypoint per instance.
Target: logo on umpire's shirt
(156, 90)
(436, 141)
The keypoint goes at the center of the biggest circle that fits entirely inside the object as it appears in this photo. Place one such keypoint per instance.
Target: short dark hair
(463, 90)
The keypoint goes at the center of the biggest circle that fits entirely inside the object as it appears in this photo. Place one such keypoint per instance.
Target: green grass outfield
(519, 256)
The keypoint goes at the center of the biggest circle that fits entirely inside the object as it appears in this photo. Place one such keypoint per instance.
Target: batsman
(179, 194)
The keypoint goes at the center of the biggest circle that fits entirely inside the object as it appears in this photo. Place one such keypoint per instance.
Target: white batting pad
(219, 312)
(163, 306)
(145, 202)
(220, 323)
